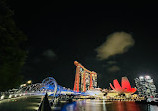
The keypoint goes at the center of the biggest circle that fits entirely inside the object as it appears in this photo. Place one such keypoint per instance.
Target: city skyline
(59, 34)
(62, 57)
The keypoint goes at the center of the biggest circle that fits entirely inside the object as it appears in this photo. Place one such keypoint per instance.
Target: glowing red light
(126, 87)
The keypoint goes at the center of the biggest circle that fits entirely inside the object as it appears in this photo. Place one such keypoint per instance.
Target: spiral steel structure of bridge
(48, 85)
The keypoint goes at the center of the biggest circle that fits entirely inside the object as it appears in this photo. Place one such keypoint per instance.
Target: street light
(141, 77)
(147, 77)
(22, 85)
(29, 82)
(2, 97)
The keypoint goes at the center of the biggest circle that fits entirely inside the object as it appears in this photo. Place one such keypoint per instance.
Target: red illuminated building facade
(125, 86)
(84, 79)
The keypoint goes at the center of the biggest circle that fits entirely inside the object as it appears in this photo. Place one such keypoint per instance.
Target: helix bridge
(84, 80)
(48, 85)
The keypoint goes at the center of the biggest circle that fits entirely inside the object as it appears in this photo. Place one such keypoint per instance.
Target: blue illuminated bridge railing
(48, 85)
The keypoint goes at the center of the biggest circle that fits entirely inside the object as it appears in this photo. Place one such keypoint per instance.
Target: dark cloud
(42, 64)
(49, 54)
(111, 62)
(116, 43)
(113, 68)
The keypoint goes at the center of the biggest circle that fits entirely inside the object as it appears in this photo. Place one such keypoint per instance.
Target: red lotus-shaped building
(126, 87)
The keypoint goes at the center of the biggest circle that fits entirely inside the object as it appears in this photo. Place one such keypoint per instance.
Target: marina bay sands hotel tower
(84, 79)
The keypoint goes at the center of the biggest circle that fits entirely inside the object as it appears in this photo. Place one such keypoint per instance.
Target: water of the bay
(32, 104)
(101, 105)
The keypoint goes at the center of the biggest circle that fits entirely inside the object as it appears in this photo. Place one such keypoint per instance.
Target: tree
(12, 49)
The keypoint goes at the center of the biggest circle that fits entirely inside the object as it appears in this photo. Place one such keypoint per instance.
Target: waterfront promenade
(31, 103)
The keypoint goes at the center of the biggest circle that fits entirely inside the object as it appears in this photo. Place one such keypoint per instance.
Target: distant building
(84, 79)
(145, 86)
(125, 86)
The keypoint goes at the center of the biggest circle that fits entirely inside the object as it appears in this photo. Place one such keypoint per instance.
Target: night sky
(58, 34)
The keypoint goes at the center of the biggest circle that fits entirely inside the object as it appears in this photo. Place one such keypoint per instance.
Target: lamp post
(22, 85)
(29, 82)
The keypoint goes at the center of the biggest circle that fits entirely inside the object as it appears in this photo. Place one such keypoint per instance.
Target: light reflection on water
(101, 105)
